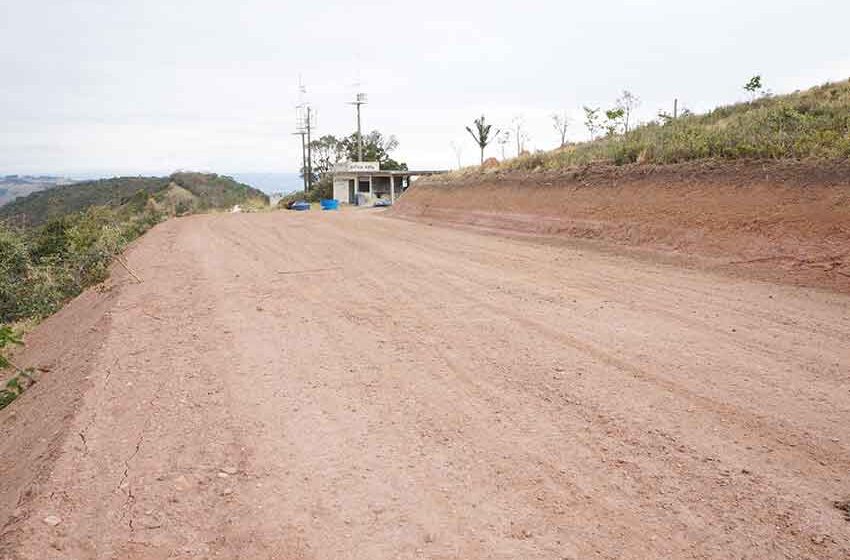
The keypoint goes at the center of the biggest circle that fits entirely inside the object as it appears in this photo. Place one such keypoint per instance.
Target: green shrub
(322, 189)
(42, 267)
(21, 379)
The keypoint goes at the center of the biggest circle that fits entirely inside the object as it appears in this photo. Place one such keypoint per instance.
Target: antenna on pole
(304, 122)
(359, 100)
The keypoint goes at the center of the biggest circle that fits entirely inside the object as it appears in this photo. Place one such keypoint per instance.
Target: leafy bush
(21, 379)
(40, 268)
(43, 267)
(75, 232)
(323, 188)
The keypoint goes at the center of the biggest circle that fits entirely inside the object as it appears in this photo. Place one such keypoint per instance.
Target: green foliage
(810, 124)
(481, 134)
(7, 338)
(15, 386)
(213, 191)
(206, 191)
(42, 206)
(614, 120)
(42, 267)
(74, 232)
(591, 120)
(323, 188)
(21, 379)
(329, 150)
(753, 86)
(376, 147)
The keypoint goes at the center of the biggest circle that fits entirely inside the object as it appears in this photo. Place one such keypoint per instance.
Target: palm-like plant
(482, 134)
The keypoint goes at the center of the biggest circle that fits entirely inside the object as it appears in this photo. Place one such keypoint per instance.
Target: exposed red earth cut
(785, 221)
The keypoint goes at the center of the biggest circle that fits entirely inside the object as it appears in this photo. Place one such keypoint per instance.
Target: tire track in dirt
(343, 385)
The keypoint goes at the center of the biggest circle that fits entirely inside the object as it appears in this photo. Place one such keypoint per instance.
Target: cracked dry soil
(352, 386)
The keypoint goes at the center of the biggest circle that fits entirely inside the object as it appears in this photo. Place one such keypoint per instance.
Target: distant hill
(182, 191)
(15, 186)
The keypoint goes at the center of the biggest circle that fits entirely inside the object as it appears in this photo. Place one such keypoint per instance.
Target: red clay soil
(341, 385)
(784, 221)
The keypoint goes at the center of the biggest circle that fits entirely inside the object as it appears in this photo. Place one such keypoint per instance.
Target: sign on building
(349, 166)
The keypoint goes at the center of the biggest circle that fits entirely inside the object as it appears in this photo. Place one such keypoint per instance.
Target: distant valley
(14, 186)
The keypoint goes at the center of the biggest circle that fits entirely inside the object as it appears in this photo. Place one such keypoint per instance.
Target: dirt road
(351, 386)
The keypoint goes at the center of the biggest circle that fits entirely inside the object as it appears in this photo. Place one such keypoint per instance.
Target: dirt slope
(345, 385)
(778, 220)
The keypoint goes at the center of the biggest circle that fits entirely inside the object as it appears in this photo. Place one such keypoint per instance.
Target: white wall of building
(341, 189)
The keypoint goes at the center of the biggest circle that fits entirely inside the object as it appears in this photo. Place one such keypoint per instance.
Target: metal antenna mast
(359, 100)
(305, 120)
(302, 133)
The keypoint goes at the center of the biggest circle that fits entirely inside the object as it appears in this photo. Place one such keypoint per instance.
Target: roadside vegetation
(179, 193)
(42, 267)
(21, 379)
(810, 124)
(57, 242)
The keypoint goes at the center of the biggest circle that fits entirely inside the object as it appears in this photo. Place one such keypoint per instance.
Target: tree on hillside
(376, 147)
(329, 150)
(325, 152)
(754, 87)
(614, 120)
(627, 102)
(591, 120)
(560, 122)
(481, 134)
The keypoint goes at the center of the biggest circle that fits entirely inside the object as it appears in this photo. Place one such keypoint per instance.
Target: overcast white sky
(121, 86)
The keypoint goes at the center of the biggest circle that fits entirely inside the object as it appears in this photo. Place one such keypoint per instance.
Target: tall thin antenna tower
(359, 100)
(305, 121)
(303, 133)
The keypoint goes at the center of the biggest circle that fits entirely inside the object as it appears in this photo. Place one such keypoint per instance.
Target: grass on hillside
(208, 191)
(41, 268)
(810, 124)
(73, 232)
(63, 240)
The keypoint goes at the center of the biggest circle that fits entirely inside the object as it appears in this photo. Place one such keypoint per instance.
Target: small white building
(365, 178)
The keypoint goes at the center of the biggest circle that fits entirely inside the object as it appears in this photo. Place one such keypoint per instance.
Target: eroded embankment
(779, 220)
(63, 350)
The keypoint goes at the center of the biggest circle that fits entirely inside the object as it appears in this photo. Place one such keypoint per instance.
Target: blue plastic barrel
(329, 204)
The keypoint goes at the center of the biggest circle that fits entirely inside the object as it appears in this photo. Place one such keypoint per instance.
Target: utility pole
(676, 108)
(309, 150)
(302, 133)
(359, 100)
(304, 122)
